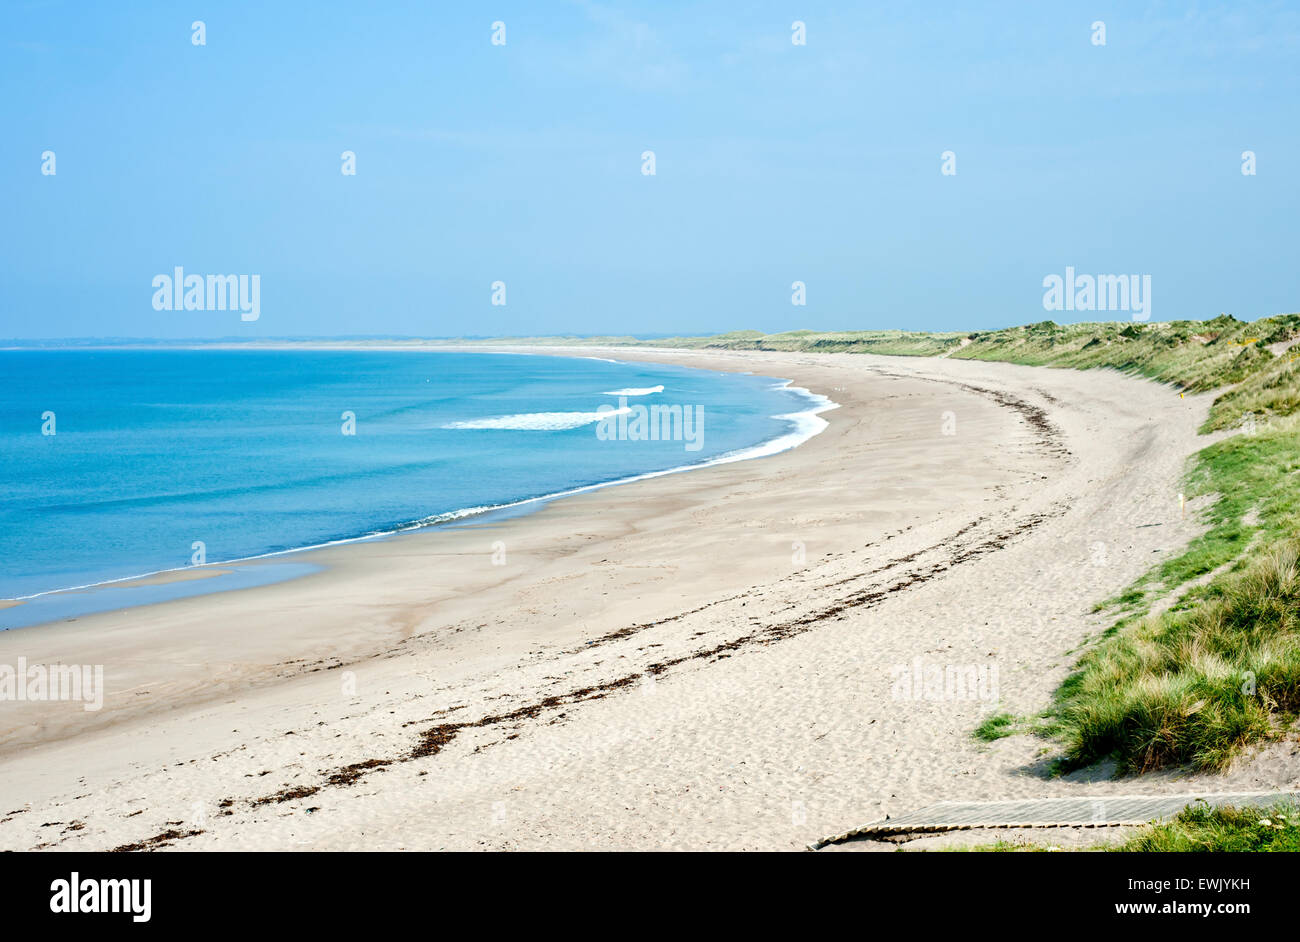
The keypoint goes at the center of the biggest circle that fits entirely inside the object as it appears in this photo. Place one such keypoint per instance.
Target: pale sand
(769, 721)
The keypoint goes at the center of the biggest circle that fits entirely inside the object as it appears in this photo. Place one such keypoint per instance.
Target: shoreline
(805, 425)
(669, 663)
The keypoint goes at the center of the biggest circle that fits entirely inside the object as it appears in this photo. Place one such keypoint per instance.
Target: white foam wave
(805, 425)
(636, 391)
(540, 421)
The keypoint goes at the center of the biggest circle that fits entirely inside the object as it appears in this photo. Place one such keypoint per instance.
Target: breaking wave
(647, 391)
(539, 421)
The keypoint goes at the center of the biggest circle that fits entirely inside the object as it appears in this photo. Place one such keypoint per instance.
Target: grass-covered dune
(1220, 669)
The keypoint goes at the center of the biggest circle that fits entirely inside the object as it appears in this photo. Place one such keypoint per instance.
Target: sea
(122, 463)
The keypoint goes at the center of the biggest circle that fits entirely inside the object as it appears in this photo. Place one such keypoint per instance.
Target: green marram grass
(996, 727)
(1220, 670)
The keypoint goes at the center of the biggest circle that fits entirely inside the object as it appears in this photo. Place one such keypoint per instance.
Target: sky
(522, 163)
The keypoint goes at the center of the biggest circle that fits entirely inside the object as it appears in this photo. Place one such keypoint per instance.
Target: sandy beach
(717, 659)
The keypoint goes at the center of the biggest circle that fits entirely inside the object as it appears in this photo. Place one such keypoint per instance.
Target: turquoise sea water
(245, 451)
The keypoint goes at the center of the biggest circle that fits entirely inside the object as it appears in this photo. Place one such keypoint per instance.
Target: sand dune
(705, 660)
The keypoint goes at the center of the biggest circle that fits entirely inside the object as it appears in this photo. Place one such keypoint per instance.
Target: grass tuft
(996, 727)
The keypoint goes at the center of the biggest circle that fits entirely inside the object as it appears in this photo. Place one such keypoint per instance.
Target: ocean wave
(646, 391)
(539, 421)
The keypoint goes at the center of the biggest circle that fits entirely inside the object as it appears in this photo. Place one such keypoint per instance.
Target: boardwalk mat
(1101, 811)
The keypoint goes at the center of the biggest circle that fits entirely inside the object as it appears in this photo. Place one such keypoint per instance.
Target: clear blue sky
(522, 163)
